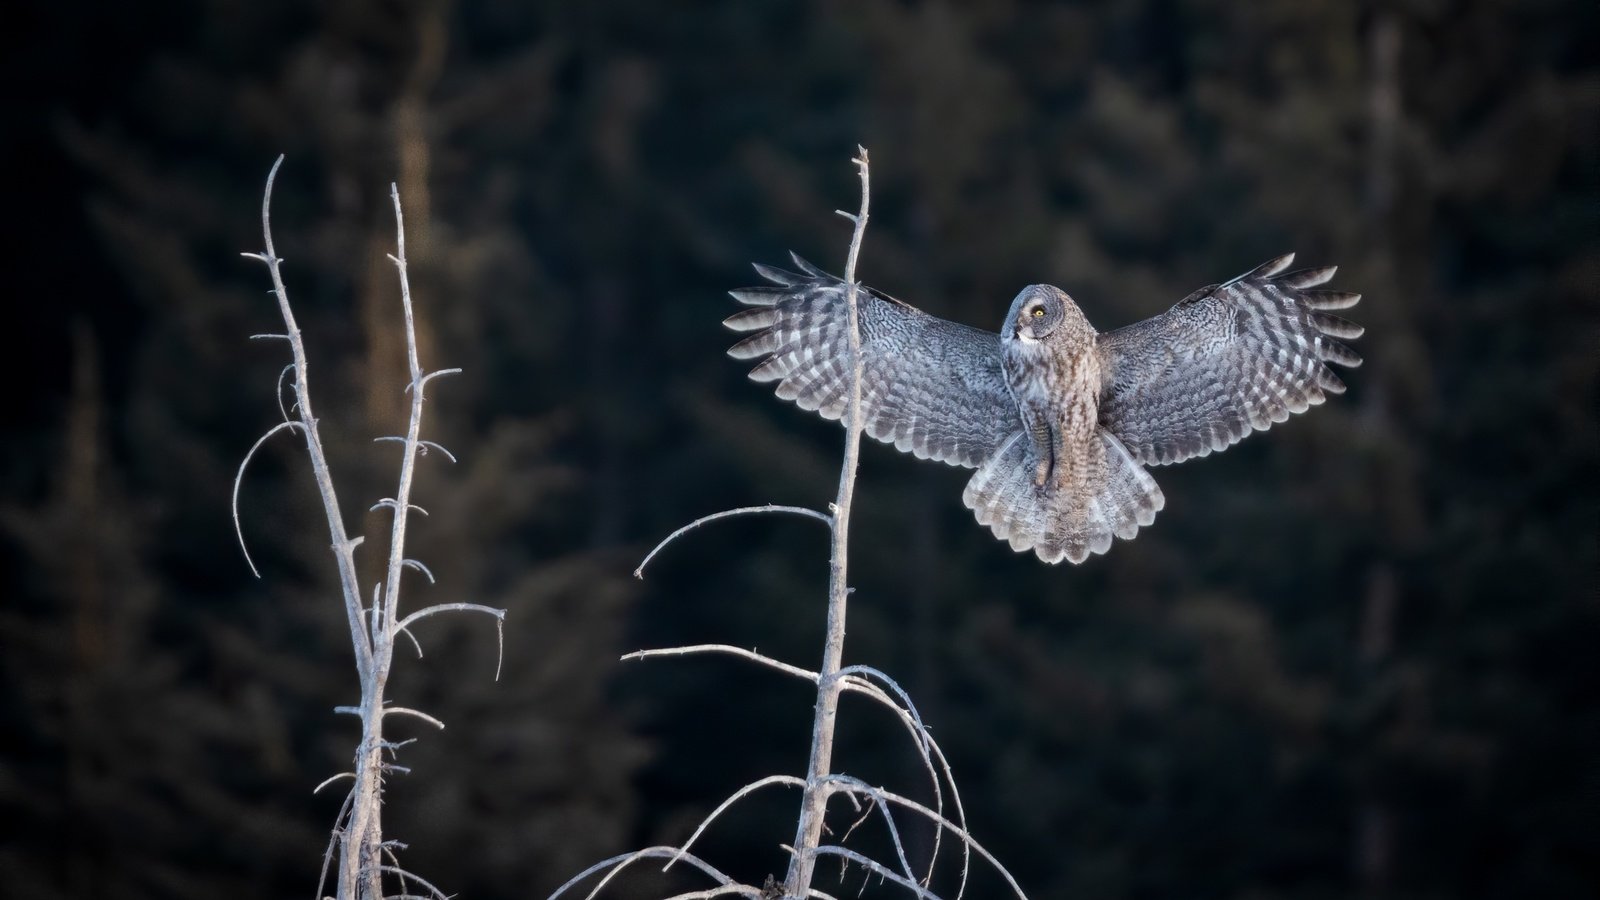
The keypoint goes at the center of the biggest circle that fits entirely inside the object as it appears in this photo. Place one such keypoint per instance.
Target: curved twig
(876, 795)
(330, 780)
(435, 445)
(944, 823)
(432, 891)
(417, 565)
(499, 626)
(875, 868)
(427, 611)
(925, 745)
(738, 795)
(414, 713)
(623, 859)
(239, 478)
(729, 513)
(424, 445)
(333, 838)
(278, 392)
(922, 735)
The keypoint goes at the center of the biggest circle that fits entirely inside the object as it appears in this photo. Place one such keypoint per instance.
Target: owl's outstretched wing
(1228, 359)
(929, 387)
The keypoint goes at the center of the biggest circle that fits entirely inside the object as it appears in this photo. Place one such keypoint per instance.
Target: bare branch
(239, 477)
(414, 564)
(875, 868)
(942, 822)
(427, 445)
(278, 392)
(432, 891)
(738, 795)
(878, 800)
(623, 859)
(389, 503)
(333, 838)
(401, 501)
(725, 514)
(416, 644)
(423, 381)
(437, 608)
(924, 739)
(745, 889)
(330, 780)
(728, 649)
(405, 877)
(343, 548)
(814, 803)
(415, 713)
(375, 630)
(832, 679)
(869, 671)
(424, 446)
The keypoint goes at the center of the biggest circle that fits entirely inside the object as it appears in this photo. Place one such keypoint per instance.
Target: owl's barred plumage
(1226, 360)
(930, 387)
(1058, 420)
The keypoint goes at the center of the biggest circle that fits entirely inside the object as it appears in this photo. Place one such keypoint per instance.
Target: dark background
(1356, 656)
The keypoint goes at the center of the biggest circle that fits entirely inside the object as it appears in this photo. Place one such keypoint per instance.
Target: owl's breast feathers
(1056, 384)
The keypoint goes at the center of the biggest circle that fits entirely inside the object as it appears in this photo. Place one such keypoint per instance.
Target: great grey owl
(1058, 419)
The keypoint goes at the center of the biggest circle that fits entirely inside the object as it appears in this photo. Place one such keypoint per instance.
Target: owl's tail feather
(1114, 500)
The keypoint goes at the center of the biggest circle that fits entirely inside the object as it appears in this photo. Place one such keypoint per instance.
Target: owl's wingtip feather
(806, 267)
(1266, 270)
(781, 277)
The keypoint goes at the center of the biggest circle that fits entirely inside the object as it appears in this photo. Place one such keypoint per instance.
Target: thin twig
(751, 655)
(735, 797)
(414, 713)
(877, 798)
(437, 608)
(925, 745)
(623, 859)
(813, 805)
(729, 513)
(330, 780)
(238, 478)
(925, 738)
(404, 625)
(333, 838)
(875, 868)
(745, 889)
(942, 822)
(432, 891)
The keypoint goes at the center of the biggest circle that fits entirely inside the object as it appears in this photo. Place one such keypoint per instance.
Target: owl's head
(1040, 312)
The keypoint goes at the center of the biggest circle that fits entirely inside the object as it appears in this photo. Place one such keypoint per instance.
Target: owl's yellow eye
(1038, 312)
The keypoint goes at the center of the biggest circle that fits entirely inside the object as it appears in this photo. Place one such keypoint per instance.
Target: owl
(1059, 420)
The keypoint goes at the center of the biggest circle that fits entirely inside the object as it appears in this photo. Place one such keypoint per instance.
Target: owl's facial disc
(1037, 313)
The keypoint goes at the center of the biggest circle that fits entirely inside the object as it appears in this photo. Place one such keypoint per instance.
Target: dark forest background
(1356, 656)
